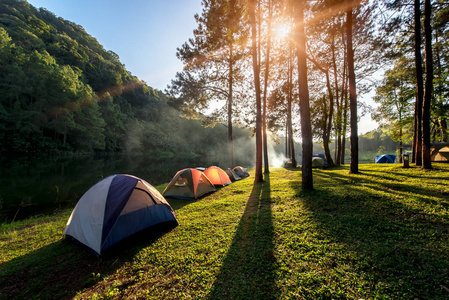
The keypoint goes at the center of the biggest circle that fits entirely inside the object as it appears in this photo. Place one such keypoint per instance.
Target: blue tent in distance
(385, 159)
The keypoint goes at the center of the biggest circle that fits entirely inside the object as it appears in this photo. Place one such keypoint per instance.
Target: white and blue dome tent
(115, 208)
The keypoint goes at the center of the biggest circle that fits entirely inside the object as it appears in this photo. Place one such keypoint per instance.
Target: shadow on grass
(391, 183)
(248, 271)
(395, 249)
(63, 268)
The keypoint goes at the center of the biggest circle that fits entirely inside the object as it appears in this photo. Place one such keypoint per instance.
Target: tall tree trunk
(324, 133)
(306, 128)
(354, 167)
(344, 98)
(337, 104)
(290, 95)
(252, 15)
(426, 161)
(345, 122)
(291, 152)
(265, 90)
(327, 152)
(290, 140)
(415, 132)
(230, 90)
(443, 123)
(400, 135)
(419, 85)
(327, 125)
(435, 129)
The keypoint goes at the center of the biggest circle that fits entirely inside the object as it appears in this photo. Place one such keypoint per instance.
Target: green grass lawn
(381, 234)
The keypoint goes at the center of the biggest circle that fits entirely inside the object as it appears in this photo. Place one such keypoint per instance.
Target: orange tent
(217, 176)
(189, 184)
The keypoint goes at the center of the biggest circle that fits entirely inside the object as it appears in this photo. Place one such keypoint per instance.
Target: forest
(256, 73)
(314, 60)
(244, 76)
(63, 93)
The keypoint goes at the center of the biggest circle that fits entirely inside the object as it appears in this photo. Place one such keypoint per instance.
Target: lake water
(44, 186)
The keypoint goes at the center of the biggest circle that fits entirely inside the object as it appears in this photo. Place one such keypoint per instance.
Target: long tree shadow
(395, 249)
(248, 271)
(390, 184)
(61, 269)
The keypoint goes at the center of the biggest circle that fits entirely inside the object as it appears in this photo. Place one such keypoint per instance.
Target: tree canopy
(62, 92)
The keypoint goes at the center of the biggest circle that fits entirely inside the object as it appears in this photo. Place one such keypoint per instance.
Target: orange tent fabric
(188, 184)
(217, 176)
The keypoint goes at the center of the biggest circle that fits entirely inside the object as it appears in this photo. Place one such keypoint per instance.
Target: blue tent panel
(121, 188)
(385, 159)
(136, 221)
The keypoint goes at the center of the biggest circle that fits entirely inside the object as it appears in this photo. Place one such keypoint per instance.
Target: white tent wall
(86, 220)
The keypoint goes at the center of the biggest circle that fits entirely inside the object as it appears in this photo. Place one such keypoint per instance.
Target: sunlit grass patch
(383, 233)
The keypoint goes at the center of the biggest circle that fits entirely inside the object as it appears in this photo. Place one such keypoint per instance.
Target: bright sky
(144, 33)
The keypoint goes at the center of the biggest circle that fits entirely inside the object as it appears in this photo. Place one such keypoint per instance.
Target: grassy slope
(381, 234)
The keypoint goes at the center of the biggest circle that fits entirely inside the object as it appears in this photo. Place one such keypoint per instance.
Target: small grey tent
(232, 175)
(317, 162)
(241, 172)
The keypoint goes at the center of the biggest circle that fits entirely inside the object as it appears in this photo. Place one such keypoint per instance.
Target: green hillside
(62, 92)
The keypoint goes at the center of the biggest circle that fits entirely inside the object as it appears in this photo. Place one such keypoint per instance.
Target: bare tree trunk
(230, 83)
(256, 69)
(306, 128)
(291, 152)
(290, 140)
(443, 123)
(265, 88)
(419, 85)
(337, 103)
(415, 132)
(327, 152)
(435, 128)
(345, 122)
(344, 97)
(354, 167)
(328, 116)
(400, 135)
(426, 161)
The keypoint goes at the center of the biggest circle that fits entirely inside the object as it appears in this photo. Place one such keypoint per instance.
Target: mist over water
(46, 185)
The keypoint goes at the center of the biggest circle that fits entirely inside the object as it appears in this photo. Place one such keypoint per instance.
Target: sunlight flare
(281, 31)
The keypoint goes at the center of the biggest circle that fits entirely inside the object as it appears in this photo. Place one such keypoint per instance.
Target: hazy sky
(144, 33)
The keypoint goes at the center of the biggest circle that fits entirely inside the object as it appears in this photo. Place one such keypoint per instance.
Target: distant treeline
(62, 92)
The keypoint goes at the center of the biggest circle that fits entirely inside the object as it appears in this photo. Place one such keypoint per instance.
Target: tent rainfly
(217, 176)
(114, 208)
(440, 152)
(232, 175)
(189, 184)
(385, 159)
(317, 162)
(241, 172)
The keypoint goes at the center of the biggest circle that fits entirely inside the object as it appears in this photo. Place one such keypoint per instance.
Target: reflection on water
(44, 186)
